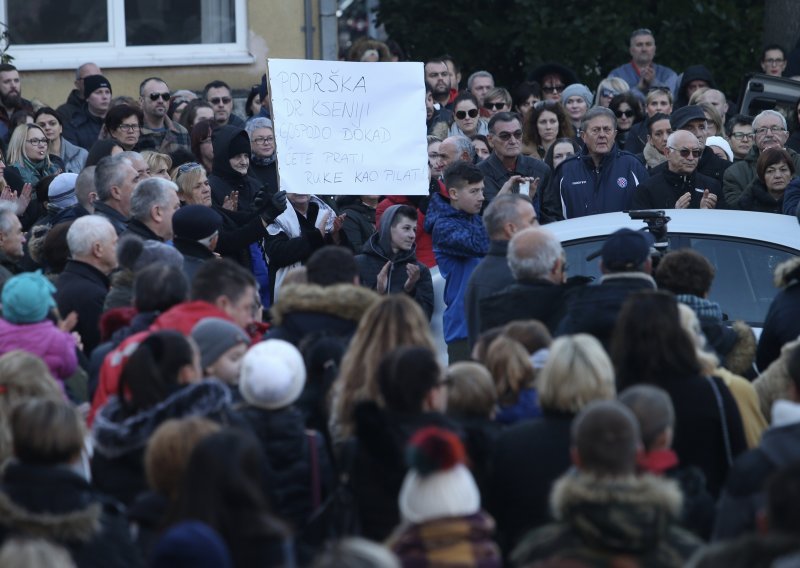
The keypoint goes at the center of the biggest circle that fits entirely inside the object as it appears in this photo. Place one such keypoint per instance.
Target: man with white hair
(11, 240)
(153, 203)
(538, 265)
(84, 284)
(114, 180)
(455, 148)
(770, 131)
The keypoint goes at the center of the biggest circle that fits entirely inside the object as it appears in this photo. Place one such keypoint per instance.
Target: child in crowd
(222, 345)
(459, 242)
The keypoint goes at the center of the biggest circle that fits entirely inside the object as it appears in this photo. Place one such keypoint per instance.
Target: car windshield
(742, 285)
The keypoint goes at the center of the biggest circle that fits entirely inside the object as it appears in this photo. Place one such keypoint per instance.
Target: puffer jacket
(43, 339)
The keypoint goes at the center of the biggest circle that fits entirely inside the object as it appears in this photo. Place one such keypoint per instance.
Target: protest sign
(346, 128)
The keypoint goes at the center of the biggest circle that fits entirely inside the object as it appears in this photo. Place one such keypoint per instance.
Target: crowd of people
(197, 369)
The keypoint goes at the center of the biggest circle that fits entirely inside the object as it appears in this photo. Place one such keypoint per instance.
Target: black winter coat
(757, 198)
(83, 129)
(287, 449)
(379, 465)
(56, 503)
(594, 309)
(525, 299)
(224, 179)
(239, 230)
(490, 276)
(709, 165)
(527, 459)
(194, 255)
(266, 175)
(663, 189)
(82, 288)
(359, 224)
(781, 325)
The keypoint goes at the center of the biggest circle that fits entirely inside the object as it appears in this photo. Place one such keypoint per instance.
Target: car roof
(782, 230)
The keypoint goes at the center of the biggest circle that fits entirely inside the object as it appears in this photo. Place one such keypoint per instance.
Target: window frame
(115, 54)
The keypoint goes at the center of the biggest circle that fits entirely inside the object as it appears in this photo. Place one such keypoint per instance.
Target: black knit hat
(195, 222)
(94, 82)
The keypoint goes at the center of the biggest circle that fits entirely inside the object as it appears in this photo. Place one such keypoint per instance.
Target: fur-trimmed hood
(48, 502)
(116, 434)
(629, 513)
(346, 301)
(787, 272)
(739, 359)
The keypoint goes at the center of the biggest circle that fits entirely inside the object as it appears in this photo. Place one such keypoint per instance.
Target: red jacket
(182, 317)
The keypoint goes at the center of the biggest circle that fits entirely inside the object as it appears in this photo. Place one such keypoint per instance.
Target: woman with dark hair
(412, 395)
(524, 96)
(793, 143)
(628, 111)
(252, 105)
(74, 157)
(774, 169)
(201, 143)
(561, 149)
(222, 488)
(194, 112)
(466, 116)
(160, 380)
(123, 123)
(101, 149)
(649, 345)
(545, 122)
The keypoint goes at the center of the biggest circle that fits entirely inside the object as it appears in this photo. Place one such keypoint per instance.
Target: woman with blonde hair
(510, 366)
(23, 376)
(530, 456)
(27, 151)
(159, 164)
(394, 321)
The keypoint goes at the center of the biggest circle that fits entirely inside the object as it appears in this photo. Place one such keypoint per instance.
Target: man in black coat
(680, 185)
(84, 284)
(692, 119)
(537, 264)
(626, 268)
(505, 216)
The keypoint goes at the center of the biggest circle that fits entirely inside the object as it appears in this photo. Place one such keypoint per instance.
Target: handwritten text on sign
(349, 128)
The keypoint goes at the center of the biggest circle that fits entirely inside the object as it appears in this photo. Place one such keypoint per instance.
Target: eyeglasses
(553, 88)
(164, 96)
(506, 136)
(264, 140)
(188, 167)
(545, 104)
(686, 152)
(608, 93)
(773, 129)
(626, 113)
(37, 141)
(461, 114)
(774, 61)
(494, 106)
(129, 127)
(218, 100)
(659, 89)
(742, 135)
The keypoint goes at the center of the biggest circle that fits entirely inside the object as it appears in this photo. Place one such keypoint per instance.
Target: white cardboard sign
(346, 128)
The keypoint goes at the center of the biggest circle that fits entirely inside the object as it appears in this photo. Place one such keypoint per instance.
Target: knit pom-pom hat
(438, 483)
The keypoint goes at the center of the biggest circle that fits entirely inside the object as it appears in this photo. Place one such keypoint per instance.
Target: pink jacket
(43, 339)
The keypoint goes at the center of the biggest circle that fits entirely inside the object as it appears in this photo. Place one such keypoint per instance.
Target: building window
(58, 34)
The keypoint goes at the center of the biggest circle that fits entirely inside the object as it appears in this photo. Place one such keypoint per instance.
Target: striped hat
(61, 193)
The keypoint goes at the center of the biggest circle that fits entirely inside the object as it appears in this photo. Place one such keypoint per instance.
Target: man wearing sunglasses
(218, 95)
(506, 169)
(691, 118)
(641, 73)
(680, 185)
(159, 132)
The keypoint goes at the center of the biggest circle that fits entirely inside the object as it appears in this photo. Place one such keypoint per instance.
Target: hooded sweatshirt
(377, 251)
(230, 141)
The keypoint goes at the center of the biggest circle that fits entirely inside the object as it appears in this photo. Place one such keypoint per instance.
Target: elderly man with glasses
(641, 73)
(507, 170)
(680, 185)
(769, 128)
(159, 132)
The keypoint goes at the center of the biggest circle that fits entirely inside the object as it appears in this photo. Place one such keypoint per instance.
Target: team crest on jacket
(622, 183)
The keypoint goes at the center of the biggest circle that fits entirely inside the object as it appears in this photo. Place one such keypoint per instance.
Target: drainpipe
(308, 28)
(328, 30)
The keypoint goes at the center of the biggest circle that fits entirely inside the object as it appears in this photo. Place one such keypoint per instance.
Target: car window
(743, 285)
(744, 270)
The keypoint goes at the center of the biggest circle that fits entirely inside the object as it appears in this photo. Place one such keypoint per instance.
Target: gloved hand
(270, 207)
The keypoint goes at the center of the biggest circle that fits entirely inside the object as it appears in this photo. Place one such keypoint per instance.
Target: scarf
(259, 161)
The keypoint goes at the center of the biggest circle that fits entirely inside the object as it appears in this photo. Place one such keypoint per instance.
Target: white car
(745, 247)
